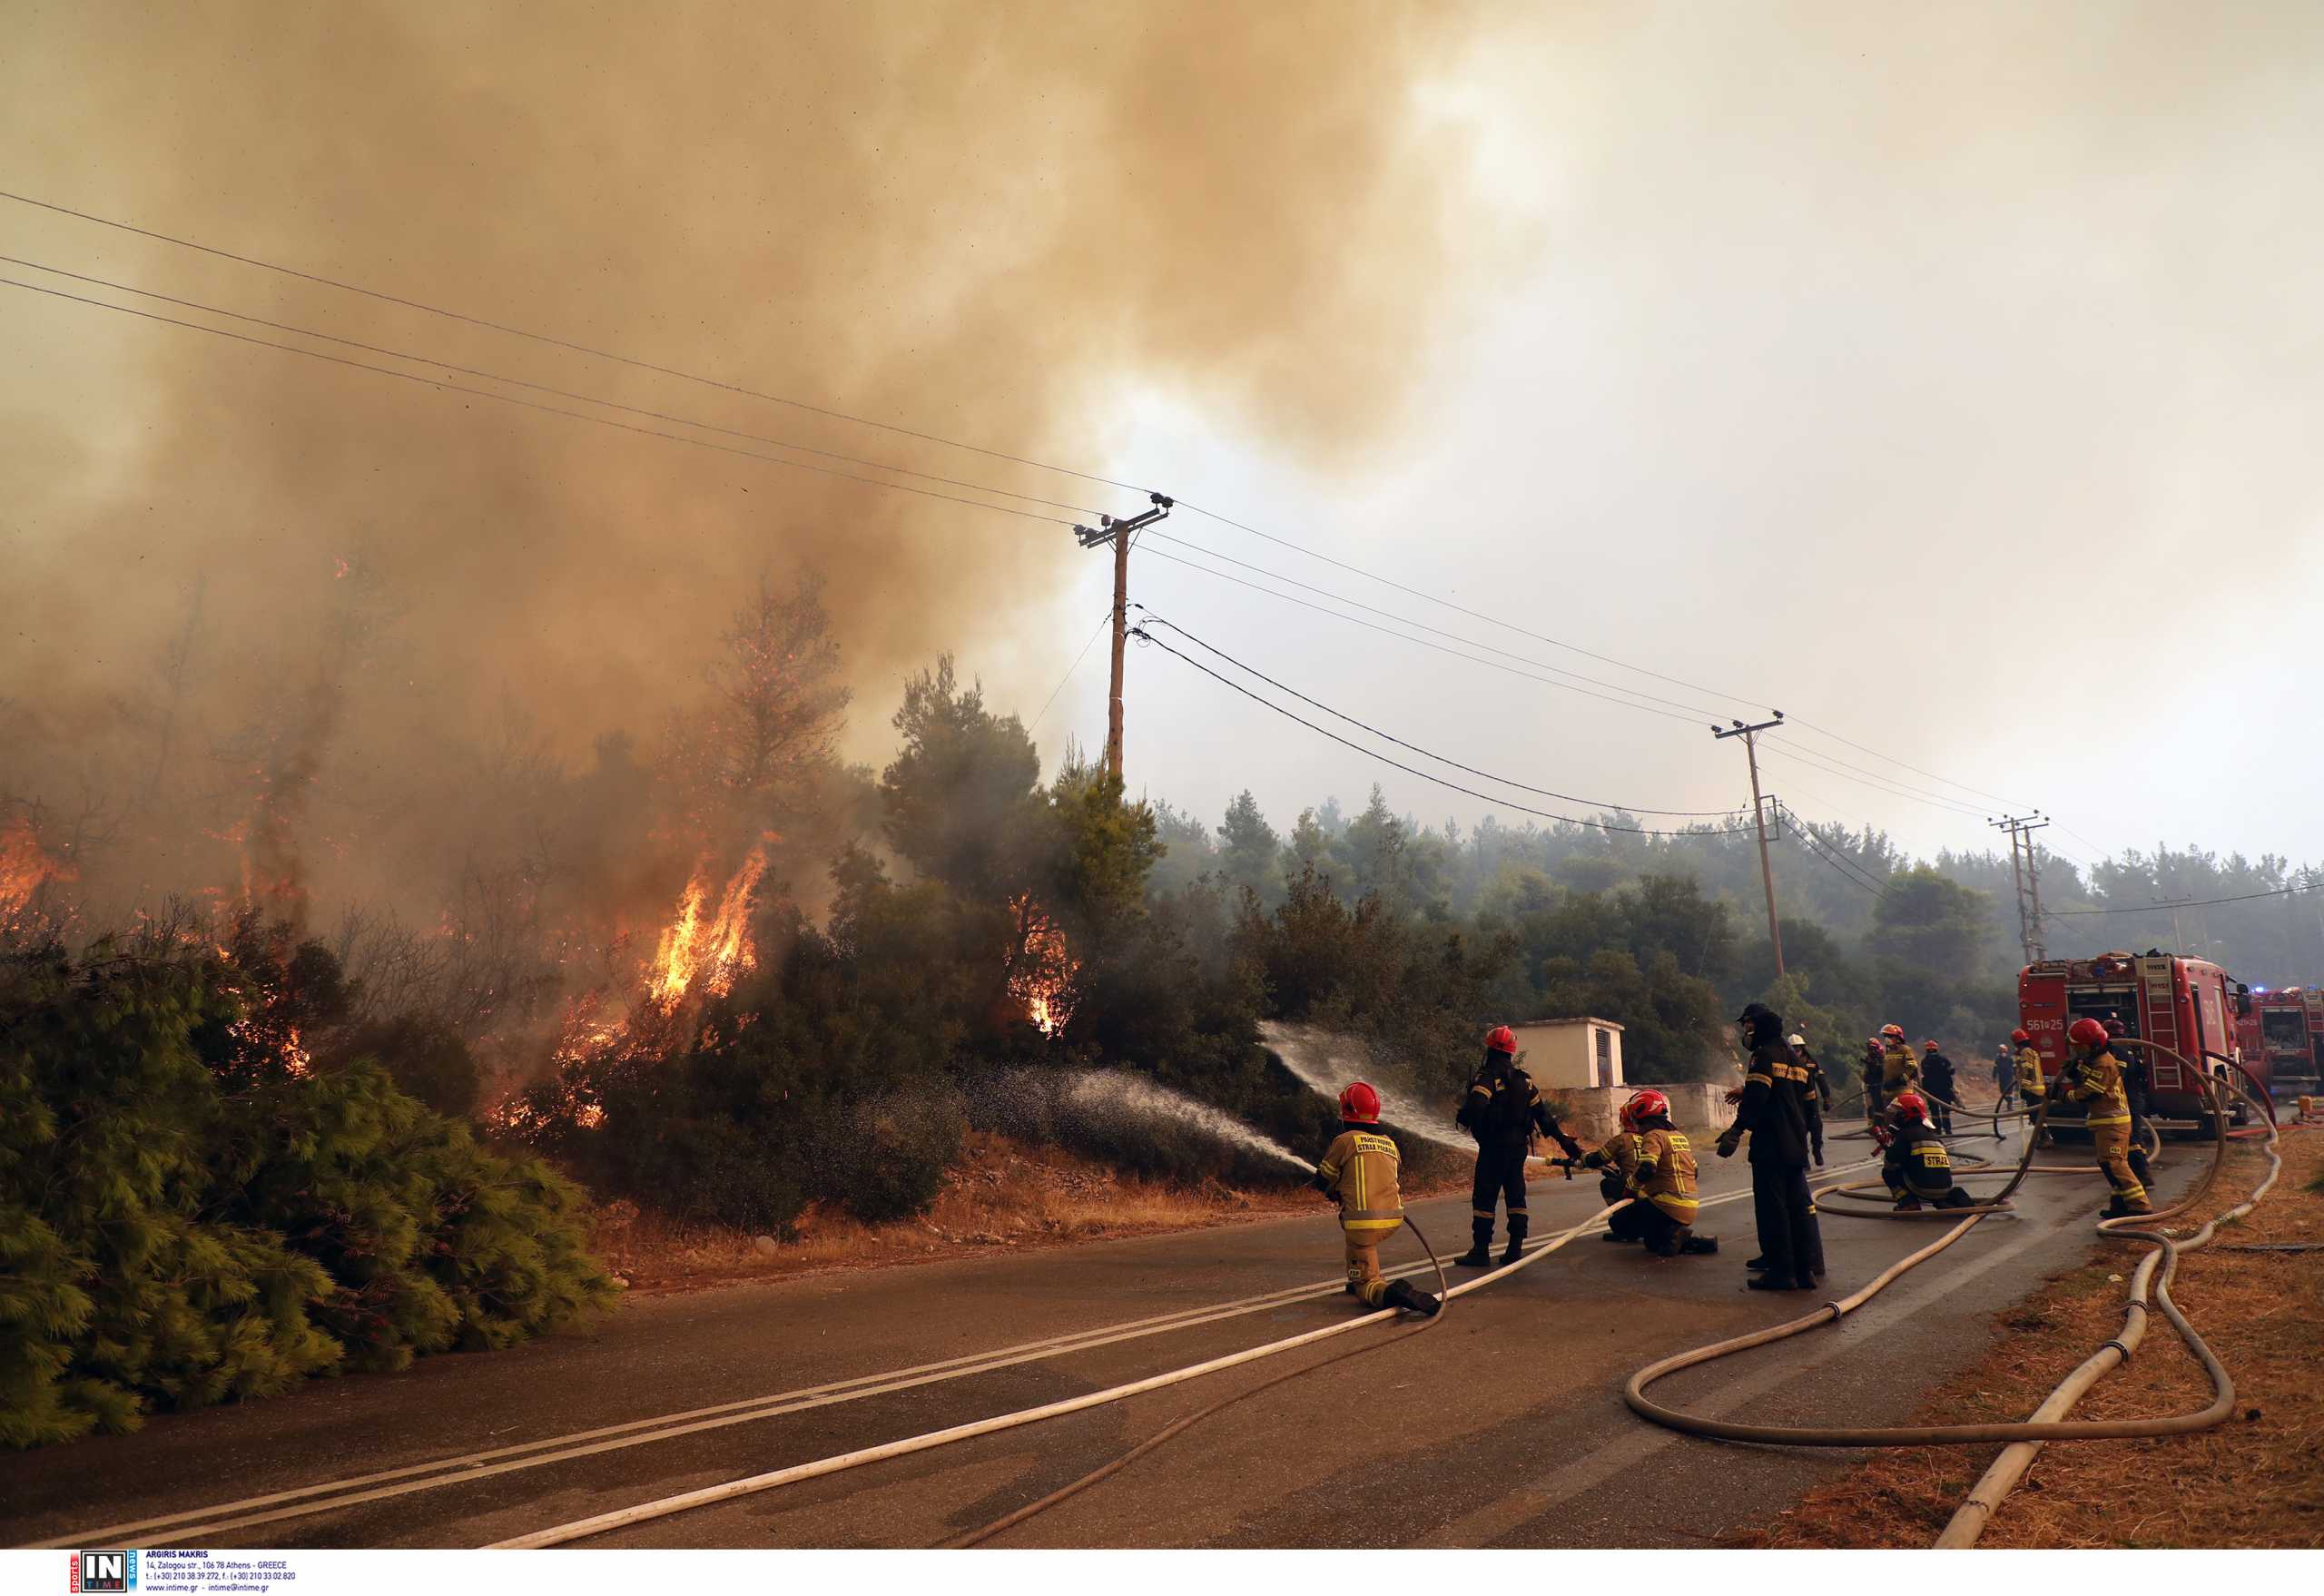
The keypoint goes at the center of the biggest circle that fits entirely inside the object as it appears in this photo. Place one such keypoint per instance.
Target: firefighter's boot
(1758, 1262)
(1699, 1243)
(1480, 1252)
(1516, 1247)
(1402, 1294)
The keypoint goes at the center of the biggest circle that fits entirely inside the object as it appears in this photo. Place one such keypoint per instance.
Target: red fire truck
(2286, 1026)
(2189, 1005)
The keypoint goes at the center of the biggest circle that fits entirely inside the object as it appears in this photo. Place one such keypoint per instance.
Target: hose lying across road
(2048, 1422)
(1179, 1426)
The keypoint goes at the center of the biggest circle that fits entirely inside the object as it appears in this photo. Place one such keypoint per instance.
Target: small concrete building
(1571, 1053)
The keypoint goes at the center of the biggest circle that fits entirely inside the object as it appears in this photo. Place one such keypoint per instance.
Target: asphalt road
(1501, 1426)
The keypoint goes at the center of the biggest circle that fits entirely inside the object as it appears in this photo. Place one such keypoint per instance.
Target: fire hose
(1179, 1426)
(2048, 1423)
(601, 1523)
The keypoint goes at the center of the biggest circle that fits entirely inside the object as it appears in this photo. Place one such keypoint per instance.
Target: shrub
(189, 1215)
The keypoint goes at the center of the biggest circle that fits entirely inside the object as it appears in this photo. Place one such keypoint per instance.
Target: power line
(543, 338)
(1817, 760)
(1685, 712)
(1155, 620)
(1560, 642)
(587, 398)
(1848, 869)
(1420, 641)
(1146, 636)
(2192, 902)
(1076, 665)
(529, 404)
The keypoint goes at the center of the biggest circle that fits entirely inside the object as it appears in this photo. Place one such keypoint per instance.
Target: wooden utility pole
(1119, 533)
(2026, 869)
(1759, 818)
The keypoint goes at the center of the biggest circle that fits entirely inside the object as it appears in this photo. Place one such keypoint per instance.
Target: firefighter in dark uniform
(2095, 1076)
(1870, 1071)
(1502, 1109)
(2030, 1090)
(2004, 1074)
(1773, 1113)
(1820, 1098)
(2134, 1087)
(1655, 1167)
(1917, 1167)
(1937, 1079)
(1358, 1171)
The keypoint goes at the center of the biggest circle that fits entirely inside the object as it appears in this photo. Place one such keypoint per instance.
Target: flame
(710, 954)
(1041, 970)
(23, 867)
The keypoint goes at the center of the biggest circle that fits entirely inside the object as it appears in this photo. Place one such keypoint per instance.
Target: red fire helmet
(2021, 1037)
(1502, 1039)
(2086, 1032)
(1360, 1103)
(1643, 1105)
(1910, 1104)
(1895, 1030)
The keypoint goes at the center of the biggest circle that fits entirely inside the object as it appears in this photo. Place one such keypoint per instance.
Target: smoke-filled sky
(1945, 377)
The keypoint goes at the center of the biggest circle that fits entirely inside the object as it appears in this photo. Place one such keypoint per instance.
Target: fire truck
(2189, 1005)
(2286, 1026)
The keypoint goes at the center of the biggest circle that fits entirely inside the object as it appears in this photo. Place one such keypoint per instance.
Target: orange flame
(710, 954)
(23, 867)
(1041, 970)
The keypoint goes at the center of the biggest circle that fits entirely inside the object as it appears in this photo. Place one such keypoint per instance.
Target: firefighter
(1617, 1156)
(1870, 1068)
(2029, 1081)
(1501, 1110)
(1937, 1079)
(1773, 1113)
(1655, 1167)
(2095, 1076)
(2134, 1082)
(1899, 1070)
(2004, 1074)
(1818, 1099)
(1359, 1171)
(1917, 1167)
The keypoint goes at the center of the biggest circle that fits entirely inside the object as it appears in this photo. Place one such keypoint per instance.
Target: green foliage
(188, 1216)
(424, 1055)
(1932, 923)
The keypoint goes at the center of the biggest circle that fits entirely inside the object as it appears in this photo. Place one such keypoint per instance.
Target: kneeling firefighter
(1917, 1167)
(1773, 1113)
(2095, 1076)
(1359, 1170)
(1501, 1110)
(1655, 1167)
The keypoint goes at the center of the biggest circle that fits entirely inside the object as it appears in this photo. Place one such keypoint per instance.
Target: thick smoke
(332, 627)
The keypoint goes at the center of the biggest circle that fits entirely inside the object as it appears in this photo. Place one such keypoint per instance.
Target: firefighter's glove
(1572, 1147)
(1726, 1146)
(1592, 1159)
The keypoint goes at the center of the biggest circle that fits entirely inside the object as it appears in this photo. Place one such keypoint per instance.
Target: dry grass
(2256, 1480)
(1002, 1196)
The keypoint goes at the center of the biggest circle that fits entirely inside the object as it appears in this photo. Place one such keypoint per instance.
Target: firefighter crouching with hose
(2095, 1076)
(1649, 1160)
(1916, 1168)
(1502, 1109)
(1359, 1171)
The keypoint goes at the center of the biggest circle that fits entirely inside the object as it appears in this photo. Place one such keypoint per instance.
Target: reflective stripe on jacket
(2098, 1081)
(2028, 1070)
(1665, 1174)
(1898, 1069)
(1917, 1163)
(1359, 1168)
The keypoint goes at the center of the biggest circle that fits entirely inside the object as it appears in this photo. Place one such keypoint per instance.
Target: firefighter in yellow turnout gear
(1900, 1067)
(1358, 1170)
(1654, 1164)
(2094, 1077)
(2029, 1079)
